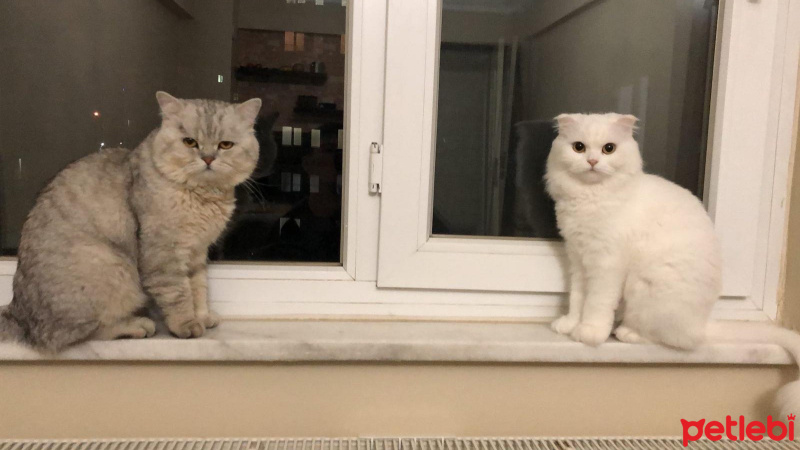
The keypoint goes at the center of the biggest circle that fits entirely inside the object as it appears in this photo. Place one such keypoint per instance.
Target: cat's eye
(609, 148)
(225, 145)
(579, 147)
(189, 142)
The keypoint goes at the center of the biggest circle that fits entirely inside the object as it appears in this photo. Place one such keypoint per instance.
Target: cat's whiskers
(253, 181)
(251, 187)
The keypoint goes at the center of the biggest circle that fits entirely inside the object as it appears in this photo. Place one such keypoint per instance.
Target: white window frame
(488, 278)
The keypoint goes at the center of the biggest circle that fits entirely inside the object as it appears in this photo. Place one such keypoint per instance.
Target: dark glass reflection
(78, 75)
(508, 67)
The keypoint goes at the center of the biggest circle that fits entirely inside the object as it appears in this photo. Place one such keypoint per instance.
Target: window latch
(375, 168)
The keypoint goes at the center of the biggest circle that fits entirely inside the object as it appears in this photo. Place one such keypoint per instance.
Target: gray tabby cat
(119, 227)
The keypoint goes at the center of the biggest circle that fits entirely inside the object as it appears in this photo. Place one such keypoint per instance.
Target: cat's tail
(788, 398)
(9, 328)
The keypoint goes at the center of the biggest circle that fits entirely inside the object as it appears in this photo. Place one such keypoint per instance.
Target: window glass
(508, 67)
(79, 75)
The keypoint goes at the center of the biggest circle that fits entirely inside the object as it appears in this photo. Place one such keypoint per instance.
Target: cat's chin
(591, 177)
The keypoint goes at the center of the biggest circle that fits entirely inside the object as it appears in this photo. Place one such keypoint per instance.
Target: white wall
(582, 64)
(626, 56)
(92, 400)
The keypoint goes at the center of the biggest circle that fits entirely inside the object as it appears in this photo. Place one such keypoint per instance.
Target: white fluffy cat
(638, 243)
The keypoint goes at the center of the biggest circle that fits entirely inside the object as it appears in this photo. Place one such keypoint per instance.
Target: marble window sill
(359, 341)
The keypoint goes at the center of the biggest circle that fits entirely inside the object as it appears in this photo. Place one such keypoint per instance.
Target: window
(500, 87)
(471, 86)
(91, 85)
(456, 94)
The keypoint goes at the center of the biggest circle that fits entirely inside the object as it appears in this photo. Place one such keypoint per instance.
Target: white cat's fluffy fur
(629, 235)
(638, 245)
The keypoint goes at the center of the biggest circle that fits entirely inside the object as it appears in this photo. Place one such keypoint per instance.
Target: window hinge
(375, 168)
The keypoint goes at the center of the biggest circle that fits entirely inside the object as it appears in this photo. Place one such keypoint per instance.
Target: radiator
(389, 444)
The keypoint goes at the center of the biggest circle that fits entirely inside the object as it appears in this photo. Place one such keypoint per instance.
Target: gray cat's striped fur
(119, 227)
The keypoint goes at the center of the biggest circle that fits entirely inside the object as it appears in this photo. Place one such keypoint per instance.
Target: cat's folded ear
(248, 110)
(169, 105)
(565, 120)
(626, 121)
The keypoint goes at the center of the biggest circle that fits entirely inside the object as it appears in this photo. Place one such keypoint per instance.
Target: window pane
(78, 75)
(508, 67)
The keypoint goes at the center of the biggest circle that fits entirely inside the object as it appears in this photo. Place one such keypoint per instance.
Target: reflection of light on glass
(288, 41)
(96, 114)
(219, 78)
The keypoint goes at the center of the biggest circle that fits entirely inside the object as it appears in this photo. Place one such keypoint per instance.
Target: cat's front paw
(146, 327)
(591, 334)
(192, 328)
(629, 335)
(210, 319)
(564, 324)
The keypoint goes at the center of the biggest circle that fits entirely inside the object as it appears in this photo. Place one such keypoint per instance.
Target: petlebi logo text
(738, 430)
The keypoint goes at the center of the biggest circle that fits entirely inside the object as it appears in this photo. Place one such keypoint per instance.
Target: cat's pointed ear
(565, 120)
(248, 110)
(169, 105)
(627, 121)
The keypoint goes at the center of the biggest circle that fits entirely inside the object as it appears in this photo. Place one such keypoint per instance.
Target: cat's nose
(592, 162)
(209, 159)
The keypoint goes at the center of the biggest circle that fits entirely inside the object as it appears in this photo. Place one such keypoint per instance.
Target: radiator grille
(390, 444)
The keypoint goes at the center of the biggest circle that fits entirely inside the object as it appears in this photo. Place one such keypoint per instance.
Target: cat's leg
(51, 318)
(166, 270)
(122, 297)
(172, 293)
(604, 280)
(199, 282)
(71, 306)
(567, 323)
(133, 328)
(663, 308)
(628, 330)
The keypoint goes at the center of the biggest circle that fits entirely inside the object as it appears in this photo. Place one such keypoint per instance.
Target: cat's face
(206, 142)
(591, 148)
